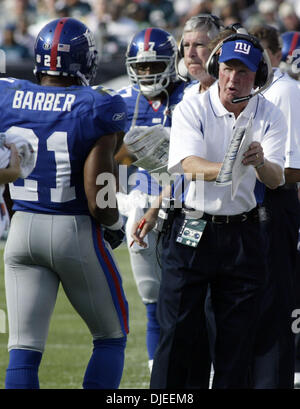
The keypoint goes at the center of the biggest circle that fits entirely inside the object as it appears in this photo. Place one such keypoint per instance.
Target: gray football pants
(144, 263)
(43, 251)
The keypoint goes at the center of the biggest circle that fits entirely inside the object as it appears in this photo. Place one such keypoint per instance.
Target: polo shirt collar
(277, 74)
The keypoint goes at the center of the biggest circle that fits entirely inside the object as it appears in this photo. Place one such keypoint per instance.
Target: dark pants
(231, 258)
(274, 353)
(297, 336)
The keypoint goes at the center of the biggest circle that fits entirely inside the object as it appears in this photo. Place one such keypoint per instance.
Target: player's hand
(114, 237)
(254, 155)
(15, 161)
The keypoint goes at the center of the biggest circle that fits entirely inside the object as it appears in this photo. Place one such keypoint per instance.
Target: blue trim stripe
(113, 277)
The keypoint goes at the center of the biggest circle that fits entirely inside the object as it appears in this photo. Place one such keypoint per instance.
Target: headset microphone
(241, 99)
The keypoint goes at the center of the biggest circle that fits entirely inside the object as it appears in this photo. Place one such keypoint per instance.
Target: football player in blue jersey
(57, 230)
(154, 91)
(191, 59)
(290, 54)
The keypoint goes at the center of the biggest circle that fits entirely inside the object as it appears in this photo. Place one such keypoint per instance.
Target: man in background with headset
(193, 53)
(228, 251)
(154, 91)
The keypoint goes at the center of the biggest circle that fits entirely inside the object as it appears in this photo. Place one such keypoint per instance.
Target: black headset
(262, 73)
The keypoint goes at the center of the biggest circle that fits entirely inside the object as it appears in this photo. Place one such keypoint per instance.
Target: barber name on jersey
(43, 101)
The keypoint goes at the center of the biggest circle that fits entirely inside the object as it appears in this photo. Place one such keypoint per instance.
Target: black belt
(236, 218)
(288, 186)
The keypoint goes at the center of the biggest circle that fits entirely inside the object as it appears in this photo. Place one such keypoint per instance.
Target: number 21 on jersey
(58, 143)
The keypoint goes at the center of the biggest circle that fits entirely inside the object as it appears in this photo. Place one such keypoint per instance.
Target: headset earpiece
(262, 74)
(181, 68)
(180, 48)
(212, 64)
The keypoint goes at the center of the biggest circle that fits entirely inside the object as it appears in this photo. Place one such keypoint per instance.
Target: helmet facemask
(150, 84)
(152, 45)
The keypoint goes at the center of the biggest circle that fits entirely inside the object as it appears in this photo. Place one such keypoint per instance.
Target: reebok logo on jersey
(118, 116)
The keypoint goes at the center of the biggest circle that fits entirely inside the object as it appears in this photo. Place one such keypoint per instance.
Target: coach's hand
(254, 155)
(267, 172)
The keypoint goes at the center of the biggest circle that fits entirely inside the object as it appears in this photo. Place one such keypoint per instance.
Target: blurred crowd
(114, 22)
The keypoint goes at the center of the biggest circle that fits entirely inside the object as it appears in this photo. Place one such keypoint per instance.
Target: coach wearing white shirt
(230, 255)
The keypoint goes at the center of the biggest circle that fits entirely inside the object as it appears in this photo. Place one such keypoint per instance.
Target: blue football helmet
(66, 47)
(291, 53)
(152, 45)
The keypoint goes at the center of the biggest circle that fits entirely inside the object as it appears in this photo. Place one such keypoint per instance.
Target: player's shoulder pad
(126, 91)
(104, 91)
(6, 80)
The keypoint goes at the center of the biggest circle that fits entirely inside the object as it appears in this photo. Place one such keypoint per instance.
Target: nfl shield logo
(46, 46)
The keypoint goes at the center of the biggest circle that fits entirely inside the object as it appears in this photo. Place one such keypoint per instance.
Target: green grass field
(69, 343)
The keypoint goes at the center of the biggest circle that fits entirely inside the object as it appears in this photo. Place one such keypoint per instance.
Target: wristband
(116, 226)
